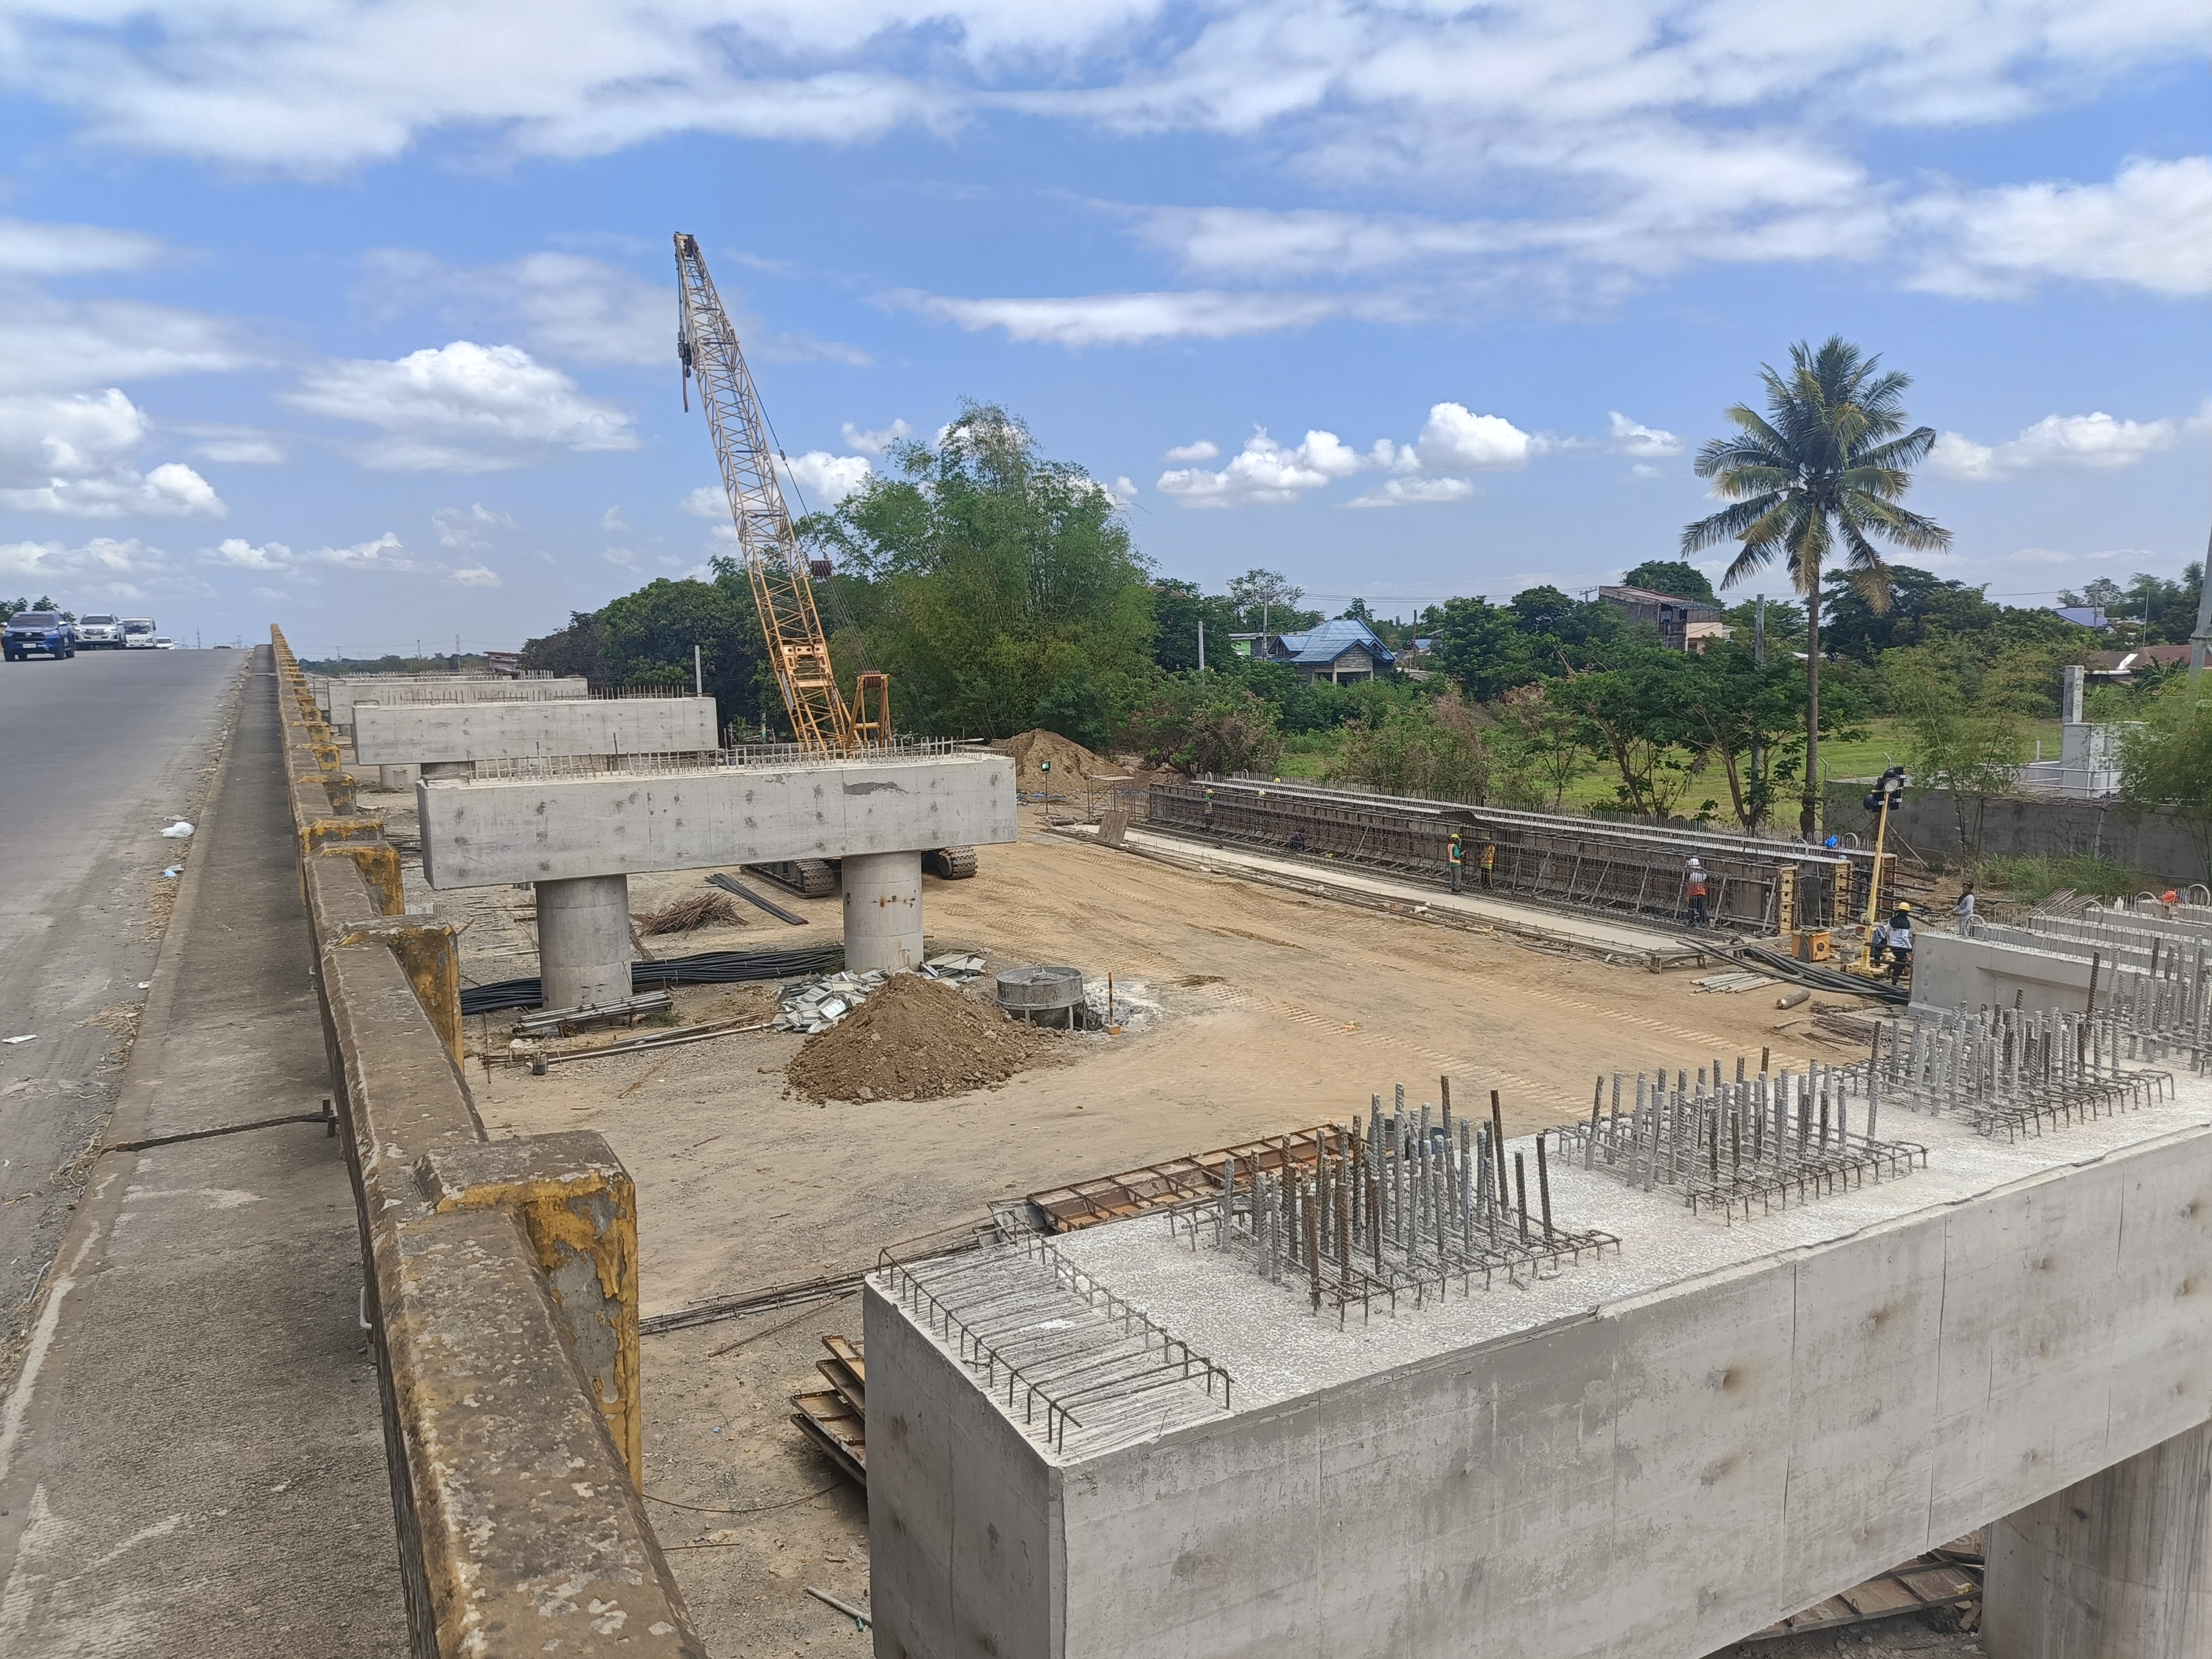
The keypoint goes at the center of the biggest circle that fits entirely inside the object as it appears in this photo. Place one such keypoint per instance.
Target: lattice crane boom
(782, 584)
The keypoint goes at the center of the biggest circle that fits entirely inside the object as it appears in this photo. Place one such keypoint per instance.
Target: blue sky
(359, 318)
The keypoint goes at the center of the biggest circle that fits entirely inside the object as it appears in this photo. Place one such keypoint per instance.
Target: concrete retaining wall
(500, 1285)
(2041, 826)
(1951, 972)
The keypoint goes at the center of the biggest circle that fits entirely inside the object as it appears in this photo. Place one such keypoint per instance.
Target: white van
(139, 632)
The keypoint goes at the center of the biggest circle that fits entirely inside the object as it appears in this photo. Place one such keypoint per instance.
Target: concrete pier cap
(434, 734)
(344, 691)
(1656, 1453)
(878, 814)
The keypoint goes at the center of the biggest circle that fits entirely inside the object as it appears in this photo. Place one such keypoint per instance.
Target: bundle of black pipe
(708, 968)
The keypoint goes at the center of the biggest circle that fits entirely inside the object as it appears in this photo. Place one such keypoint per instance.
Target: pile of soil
(918, 1039)
(1070, 762)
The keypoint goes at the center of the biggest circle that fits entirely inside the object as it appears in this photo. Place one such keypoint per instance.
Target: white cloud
(1630, 437)
(619, 555)
(105, 565)
(1414, 492)
(877, 442)
(238, 553)
(2095, 442)
(1125, 491)
(1127, 318)
(475, 575)
(1204, 450)
(70, 455)
(32, 249)
(823, 479)
(467, 527)
(52, 344)
(464, 408)
(1455, 440)
(2150, 228)
(1263, 474)
(612, 519)
(707, 502)
(387, 552)
(237, 446)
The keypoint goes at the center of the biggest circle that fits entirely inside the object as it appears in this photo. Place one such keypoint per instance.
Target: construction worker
(1489, 862)
(1900, 942)
(1458, 857)
(1963, 909)
(1209, 807)
(1695, 886)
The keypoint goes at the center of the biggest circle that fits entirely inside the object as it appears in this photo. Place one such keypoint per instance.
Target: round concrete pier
(433, 770)
(2118, 1566)
(882, 911)
(583, 940)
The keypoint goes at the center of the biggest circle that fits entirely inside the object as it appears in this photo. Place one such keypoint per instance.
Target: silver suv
(96, 633)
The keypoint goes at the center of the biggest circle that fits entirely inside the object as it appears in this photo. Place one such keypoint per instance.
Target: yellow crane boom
(783, 583)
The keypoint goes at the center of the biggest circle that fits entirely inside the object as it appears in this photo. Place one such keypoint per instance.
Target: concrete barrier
(500, 1285)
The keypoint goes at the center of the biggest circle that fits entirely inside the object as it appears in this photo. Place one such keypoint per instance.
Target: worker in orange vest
(1696, 888)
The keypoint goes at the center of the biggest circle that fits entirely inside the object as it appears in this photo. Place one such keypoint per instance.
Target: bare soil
(1266, 1010)
(918, 1039)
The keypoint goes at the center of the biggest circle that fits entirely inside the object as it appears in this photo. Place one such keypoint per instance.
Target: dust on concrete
(918, 1039)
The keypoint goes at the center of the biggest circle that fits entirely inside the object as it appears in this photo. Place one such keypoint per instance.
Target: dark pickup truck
(30, 631)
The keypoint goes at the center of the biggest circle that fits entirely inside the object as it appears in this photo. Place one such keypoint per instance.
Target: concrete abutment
(2113, 1567)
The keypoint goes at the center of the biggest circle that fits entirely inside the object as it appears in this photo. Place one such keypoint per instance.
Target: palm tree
(1829, 462)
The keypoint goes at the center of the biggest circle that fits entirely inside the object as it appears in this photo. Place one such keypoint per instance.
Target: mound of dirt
(1070, 762)
(918, 1039)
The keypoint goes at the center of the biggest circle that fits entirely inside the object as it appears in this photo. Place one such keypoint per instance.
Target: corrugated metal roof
(1318, 646)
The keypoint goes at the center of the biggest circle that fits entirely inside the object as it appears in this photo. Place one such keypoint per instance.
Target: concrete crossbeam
(1951, 972)
(1656, 1455)
(345, 692)
(400, 734)
(485, 833)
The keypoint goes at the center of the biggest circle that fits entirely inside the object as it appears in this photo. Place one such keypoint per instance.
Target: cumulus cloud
(469, 527)
(612, 519)
(236, 553)
(2150, 228)
(823, 479)
(877, 442)
(102, 565)
(1124, 492)
(1456, 439)
(462, 408)
(1264, 473)
(1629, 437)
(1204, 450)
(387, 552)
(2095, 442)
(475, 575)
(70, 455)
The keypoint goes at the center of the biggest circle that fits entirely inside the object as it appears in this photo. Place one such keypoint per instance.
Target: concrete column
(583, 940)
(2118, 1566)
(433, 770)
(399, 779)
(883, 910)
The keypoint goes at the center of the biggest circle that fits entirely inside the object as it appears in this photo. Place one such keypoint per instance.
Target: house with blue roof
(1344, 652)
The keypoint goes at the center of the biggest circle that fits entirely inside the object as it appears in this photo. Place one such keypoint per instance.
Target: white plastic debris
(173, 871)
(33, 1037)
(809, 1006)
(178, 831)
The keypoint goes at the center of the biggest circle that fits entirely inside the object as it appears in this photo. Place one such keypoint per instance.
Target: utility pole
(698, 678)
(2201, 640)
(1201, 645)
(1759, 659)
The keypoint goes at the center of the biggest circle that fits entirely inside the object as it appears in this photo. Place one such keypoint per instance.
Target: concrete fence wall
(499, 1283)
(2037, 826)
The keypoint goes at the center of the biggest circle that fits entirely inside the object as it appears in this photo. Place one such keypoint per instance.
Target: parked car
(101, 633)
(31, 631)
(163, 642)
(139, 632)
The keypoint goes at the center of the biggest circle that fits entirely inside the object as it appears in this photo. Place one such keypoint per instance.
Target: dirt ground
(1256, 1011)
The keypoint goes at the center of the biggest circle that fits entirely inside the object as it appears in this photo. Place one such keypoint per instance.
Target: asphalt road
(96, 754)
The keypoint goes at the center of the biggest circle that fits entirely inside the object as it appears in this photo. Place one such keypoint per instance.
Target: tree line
(1001, 591)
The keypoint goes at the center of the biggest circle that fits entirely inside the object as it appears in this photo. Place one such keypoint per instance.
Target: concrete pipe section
(583, 941)
(882, 911)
